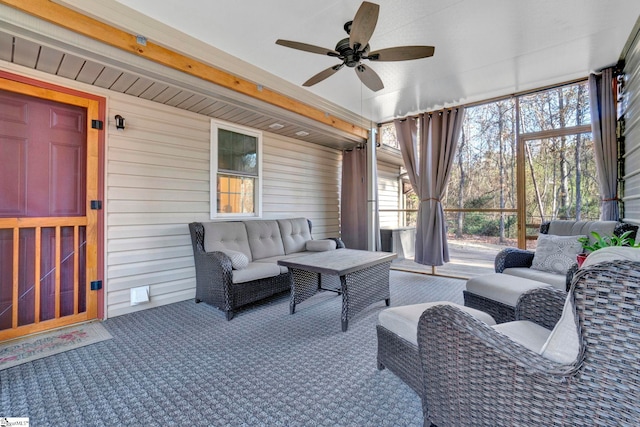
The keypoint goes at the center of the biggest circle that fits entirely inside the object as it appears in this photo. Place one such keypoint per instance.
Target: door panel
(48, 239)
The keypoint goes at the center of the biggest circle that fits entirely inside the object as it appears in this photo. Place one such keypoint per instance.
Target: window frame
(213, 176)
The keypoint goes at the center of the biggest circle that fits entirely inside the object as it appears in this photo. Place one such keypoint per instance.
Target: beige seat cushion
(255, 271)
(558, 281)
(503, 288)
(403, 320)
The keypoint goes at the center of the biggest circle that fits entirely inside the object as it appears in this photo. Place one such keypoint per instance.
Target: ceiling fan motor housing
(351, 57)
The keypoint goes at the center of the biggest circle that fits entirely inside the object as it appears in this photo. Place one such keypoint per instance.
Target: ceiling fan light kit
(355, 48)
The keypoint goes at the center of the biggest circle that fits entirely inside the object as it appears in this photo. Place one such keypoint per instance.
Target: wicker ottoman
(497, 294)
(398, 339)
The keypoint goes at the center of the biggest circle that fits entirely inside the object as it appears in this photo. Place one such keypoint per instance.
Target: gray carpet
(184, 364)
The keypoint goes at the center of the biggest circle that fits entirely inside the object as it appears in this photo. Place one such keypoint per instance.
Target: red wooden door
(47, 237)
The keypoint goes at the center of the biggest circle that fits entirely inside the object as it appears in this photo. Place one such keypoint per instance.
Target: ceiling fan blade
(369, 77)
(307, 47)
(363, 24)
(322, 75)
(401, 53)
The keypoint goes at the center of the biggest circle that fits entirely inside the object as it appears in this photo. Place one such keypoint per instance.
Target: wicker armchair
(474, 375)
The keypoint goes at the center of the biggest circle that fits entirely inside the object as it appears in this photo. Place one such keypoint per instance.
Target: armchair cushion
(529, 334)
(403, 320)
(563, 344)
(556, 254)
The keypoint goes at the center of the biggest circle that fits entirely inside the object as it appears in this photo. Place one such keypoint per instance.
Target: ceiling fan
(353, 49)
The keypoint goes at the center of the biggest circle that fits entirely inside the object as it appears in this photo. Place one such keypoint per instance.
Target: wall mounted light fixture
(119, 122)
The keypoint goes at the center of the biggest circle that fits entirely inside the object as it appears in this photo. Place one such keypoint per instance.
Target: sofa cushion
(255, 271)
(574, 228)
(503, 288)
(295, 233)
(526, 333)
(275, 259)
(558, 281)
(320, 245)
(264, 238)
(238, 259)
(556, 254)
(403, 320)
(226, 235)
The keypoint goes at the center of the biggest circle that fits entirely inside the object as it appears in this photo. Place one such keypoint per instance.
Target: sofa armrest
(339, 243)
(214, 278)
(512, 257)
(542, 306)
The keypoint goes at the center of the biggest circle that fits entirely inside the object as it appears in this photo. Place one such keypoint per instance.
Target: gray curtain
(428, 158)
(603, 127)
(353, 221)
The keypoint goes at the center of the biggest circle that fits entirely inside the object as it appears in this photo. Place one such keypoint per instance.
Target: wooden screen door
(48, 231)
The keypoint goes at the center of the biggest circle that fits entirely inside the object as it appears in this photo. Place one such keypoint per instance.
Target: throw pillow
(320, 245)
(555, 254)
(238, 259)
(563, 344)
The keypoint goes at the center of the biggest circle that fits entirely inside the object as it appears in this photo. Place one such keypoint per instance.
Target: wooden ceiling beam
(107, 34)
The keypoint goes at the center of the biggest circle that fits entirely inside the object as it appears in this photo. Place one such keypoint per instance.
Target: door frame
(96, 110)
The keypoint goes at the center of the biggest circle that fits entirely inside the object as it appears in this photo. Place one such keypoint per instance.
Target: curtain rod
(497, 98)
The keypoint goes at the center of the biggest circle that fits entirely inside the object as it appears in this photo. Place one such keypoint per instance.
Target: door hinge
(97, 124)
(96, 205)
(96, 285)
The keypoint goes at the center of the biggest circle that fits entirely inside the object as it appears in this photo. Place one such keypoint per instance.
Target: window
(236, 168)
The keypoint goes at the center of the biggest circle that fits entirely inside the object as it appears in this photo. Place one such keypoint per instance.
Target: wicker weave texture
(400, 357)
(500, 312)
(364, 287)
(476, 376)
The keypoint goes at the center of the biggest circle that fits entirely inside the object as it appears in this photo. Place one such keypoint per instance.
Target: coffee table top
(338, 262)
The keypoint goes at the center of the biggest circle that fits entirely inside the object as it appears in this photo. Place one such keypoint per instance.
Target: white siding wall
(158, 181)
(388, 194)
(632, 132)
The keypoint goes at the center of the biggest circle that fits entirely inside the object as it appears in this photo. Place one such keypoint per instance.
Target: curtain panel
(428, 158)
(603, 127)
(353, 212)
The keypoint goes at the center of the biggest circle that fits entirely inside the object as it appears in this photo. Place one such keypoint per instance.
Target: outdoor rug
(185, 364)
(16, 352)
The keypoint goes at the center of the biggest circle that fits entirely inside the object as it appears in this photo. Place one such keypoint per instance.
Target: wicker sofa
(474, 374)
(497, 294)
(237, 261)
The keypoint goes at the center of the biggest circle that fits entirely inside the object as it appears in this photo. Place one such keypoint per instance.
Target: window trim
(213, 176)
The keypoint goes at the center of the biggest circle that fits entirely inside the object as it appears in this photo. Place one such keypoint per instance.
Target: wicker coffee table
(364, 278)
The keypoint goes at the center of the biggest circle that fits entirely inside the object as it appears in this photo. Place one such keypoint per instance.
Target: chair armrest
(446, 328)
(461, 357)
(569, 276)
(512, 257)
(542, 306)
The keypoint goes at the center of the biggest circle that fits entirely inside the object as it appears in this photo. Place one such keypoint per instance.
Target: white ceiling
(484, 48)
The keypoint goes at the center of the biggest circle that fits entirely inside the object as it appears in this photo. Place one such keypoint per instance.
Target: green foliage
(600, 242)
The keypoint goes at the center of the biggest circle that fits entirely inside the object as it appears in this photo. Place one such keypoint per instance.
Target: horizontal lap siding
(158, 181)
(388, 194)
(301, 179)
(632, 133)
